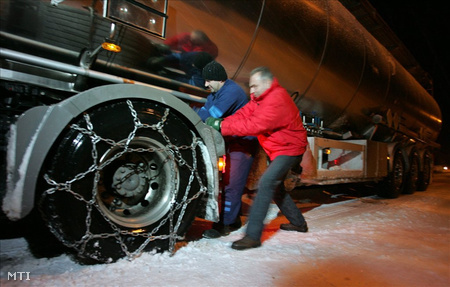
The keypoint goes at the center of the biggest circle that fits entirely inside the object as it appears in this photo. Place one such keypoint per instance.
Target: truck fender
(34, 133)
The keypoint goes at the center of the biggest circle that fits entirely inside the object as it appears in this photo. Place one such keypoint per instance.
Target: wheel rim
(137, 187)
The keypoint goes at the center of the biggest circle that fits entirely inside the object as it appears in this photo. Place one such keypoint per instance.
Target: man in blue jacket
(225, 99)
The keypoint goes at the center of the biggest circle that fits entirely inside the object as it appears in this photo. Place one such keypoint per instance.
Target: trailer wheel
(123, 178)
(426, 174)
(413, 174)
(393, 185)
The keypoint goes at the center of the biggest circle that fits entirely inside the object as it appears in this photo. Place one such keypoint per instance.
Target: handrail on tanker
(50, 64)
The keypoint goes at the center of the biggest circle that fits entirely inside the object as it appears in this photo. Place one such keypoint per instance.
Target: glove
(214, 122)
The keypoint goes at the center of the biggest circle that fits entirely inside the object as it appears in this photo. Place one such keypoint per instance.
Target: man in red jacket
(273, 117)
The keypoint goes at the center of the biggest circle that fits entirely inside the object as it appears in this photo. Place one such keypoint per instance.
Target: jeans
(240, 164)
(270, 187)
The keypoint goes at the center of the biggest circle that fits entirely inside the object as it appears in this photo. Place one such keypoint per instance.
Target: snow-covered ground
(362, 242)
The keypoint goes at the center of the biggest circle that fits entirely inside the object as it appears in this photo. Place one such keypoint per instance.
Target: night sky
(424, 27)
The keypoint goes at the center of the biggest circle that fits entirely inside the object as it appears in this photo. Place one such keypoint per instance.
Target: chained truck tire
(123, 178)
(115, 170)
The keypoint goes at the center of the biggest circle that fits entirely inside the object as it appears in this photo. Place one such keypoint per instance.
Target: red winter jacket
(274, 118)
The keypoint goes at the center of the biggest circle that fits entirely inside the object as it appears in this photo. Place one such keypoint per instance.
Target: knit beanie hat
(214, 71)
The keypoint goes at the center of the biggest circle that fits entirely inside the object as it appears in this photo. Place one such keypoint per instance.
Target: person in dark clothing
(194, 73)
(225, 99)
(196, 41)
(192, 68)
(273, 117)
(188, 52)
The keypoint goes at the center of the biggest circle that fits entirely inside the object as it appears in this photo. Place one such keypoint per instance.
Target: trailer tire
(425, 175)
(122, 202)
(413, 174)
(393, 185)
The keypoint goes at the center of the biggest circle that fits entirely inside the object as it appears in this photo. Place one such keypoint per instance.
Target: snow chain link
(95, 168)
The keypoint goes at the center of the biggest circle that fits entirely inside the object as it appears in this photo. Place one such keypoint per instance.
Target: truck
(108, 152)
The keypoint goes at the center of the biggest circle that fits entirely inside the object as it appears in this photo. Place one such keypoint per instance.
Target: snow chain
(95, 168)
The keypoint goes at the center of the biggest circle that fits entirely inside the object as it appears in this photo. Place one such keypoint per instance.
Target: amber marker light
(111, 47)
(221, 164)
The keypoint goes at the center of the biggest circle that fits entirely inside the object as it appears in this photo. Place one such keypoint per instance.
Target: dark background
(424, 27)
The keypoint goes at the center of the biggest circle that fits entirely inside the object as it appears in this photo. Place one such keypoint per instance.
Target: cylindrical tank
(342, 74)
(315, 48)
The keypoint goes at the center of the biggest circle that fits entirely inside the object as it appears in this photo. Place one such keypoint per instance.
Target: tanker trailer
(96, 159)
(368, 119)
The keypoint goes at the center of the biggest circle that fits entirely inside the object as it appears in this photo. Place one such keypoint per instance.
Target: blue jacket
(230, 98)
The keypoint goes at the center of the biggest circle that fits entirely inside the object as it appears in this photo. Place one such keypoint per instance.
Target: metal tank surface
(339, 73)
(319, 52)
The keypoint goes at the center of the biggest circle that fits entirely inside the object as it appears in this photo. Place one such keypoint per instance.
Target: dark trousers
(239, 168)
(270, 187)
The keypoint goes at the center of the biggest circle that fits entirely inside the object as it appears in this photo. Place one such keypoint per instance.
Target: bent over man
(273, 117)
(225, 99)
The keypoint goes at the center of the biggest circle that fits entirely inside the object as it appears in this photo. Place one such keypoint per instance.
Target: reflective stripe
(227, 206)
(215, 112)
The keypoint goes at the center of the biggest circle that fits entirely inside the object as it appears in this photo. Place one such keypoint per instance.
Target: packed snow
(366, 241)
